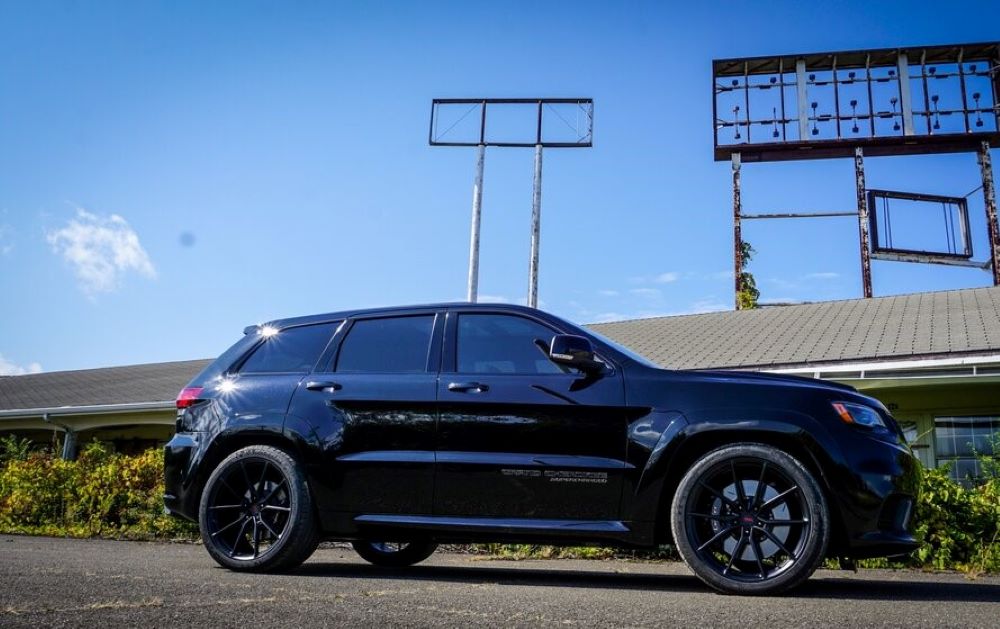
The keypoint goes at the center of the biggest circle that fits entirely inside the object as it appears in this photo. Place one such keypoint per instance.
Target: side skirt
(480, 529)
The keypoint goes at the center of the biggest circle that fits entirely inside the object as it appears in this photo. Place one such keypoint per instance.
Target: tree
(748, 294)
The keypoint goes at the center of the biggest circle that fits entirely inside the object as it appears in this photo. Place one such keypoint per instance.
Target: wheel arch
(229, 442)
(787, 438)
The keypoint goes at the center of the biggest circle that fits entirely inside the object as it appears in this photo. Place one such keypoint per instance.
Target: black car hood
(756, 376)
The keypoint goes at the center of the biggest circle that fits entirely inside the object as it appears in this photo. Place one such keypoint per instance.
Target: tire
(746, 549)
(256, 513)
(393, 554)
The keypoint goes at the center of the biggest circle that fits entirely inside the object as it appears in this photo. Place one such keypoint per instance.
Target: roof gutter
(889, 366)
(93, 409)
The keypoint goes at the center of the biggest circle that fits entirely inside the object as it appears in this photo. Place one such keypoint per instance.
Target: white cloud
(608, 317)
(608, 293)
(101, 250)
(492, 299)
(646, 292)
(826, 275)
(6, 246)
(667, 278)
(702, 306)
(782, 283)
(8, 368)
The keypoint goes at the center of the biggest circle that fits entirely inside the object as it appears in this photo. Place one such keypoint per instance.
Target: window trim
(431, 364)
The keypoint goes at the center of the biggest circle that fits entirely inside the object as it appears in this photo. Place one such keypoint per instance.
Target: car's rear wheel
(750, 519)
(256, 512)
(394, 554)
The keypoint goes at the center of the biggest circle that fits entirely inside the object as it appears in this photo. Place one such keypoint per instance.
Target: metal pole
(69, 445)
(477, 209)
(905, 98)
(69, 437)
(990, 198)
(866, 263)
(737, 233)
(802, 98)
(536, 219)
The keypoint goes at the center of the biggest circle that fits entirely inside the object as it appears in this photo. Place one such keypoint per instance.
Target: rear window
(293, 350)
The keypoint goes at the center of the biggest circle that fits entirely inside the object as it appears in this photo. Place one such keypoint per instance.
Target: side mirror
(574, 351)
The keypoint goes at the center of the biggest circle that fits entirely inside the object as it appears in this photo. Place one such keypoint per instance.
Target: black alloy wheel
(394, 554)
(750, 519)
(256, 513)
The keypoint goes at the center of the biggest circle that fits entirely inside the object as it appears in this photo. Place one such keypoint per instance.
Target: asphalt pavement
(98, 583)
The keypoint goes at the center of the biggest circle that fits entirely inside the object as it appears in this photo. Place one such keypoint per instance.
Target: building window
(959, 441)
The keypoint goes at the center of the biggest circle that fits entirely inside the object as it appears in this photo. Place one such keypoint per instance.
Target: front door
(519, 436)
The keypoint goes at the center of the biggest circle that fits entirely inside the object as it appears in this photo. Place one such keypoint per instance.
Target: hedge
(100, 494)
(113, 495)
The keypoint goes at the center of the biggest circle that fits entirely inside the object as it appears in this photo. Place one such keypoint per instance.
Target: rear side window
(291, 350)
(390, 345)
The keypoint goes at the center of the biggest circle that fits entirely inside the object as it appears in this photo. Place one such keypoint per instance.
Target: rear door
(519, 436)
(379, 391)
(256, 391)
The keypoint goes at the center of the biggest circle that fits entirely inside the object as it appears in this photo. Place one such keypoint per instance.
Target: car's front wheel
(394, 554)
(256, 512)
(750, 519)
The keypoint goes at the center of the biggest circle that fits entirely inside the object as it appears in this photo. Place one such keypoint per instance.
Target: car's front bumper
(879, 499)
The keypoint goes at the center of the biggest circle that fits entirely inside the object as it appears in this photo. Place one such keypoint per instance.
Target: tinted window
(491, 343)
(392, 345)
(294, 349)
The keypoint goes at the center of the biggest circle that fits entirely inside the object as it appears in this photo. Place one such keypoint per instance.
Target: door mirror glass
(574, 351)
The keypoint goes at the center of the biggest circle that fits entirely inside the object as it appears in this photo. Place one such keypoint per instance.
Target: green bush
(99, 494)
(958, 527)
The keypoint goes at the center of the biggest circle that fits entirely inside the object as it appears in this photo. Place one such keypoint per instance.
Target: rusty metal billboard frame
(981, 61)
(914, 122)
(882, 242)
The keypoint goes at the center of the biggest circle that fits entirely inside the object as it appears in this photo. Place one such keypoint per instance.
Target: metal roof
(130, 384)
(921, 325)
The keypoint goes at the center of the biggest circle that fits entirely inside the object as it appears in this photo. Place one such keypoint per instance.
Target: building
(932, 358)
(130, 406)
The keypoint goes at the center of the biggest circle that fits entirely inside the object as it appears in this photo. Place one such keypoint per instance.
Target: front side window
(292, 350)
(389, 345)
(496, 343)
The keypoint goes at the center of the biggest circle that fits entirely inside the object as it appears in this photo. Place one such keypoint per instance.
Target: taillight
(188, 396)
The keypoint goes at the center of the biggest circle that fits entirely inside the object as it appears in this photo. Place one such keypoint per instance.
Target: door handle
(476, 387)
(323, 386)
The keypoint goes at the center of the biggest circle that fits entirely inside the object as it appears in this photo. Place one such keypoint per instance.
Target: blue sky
(171, 172)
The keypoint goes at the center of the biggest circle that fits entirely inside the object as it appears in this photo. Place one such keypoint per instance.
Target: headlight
(858, 414)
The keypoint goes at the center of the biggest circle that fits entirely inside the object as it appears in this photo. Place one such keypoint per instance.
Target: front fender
(688, 437)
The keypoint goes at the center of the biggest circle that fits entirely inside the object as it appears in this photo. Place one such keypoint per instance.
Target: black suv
(397, 429)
